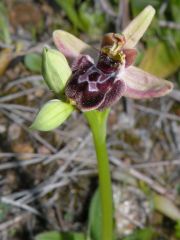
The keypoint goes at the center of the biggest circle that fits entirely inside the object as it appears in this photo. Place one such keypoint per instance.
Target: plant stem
(104, 184)
(97, 121)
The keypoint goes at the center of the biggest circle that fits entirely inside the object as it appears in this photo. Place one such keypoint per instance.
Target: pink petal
(142, 85)
(72, 46)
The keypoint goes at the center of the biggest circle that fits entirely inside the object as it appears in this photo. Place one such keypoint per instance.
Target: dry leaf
(25, 14)
(5, 58)
(22, 148)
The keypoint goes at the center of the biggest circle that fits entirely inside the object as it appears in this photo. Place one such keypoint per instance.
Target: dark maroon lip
(94, 86)
(107, 64)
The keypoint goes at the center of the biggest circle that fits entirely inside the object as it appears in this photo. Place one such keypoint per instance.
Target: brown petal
(110, 38)
(72, 46)
(130, 56)
(142, 85)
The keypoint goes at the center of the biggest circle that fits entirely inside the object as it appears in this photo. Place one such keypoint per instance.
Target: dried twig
(14, 221)
(151, 183)
(156, 112)
(10, 165)
(165, 108)
(19, 205)
(106, 7)
(175, 94)
(18, 107)
(37, 48)
(5, 45)
(122, 19)
(19, 121)
(34, 78)
(19, 94)
(156, 164)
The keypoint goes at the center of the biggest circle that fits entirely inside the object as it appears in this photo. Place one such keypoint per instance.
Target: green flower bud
(52, 115)
(55, 70)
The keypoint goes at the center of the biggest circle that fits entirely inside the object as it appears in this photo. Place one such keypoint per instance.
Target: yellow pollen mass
(114, 52)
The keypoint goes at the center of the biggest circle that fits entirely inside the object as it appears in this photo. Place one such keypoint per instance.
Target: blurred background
(47, 180)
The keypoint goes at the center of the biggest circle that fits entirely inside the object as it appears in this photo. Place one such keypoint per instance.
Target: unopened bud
(55, 70)
(52, 115)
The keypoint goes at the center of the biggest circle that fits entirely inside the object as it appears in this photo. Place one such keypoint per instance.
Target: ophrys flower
(97, 78)
(100, 78)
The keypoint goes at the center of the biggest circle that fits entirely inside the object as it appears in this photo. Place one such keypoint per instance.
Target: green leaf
(4, 25)
(161, 60)
(51, 235)
(55, 70)
(95, 217)
(73, 236)
(33, 62)
(175, 6)
(52, 115)
(143, 234)
(93, 20)
(177, 230)
(137, 6)
(166, 207)
(69, 8)
(84, 17)
(54, 235)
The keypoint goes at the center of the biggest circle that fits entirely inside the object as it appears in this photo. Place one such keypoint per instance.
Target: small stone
(39, 92)
(131, 209)
(14, 131)
(125, 121)
(43, 150)
(2, 128)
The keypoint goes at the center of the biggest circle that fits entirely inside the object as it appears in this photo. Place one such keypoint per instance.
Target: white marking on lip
(92, 87)
(120, 72)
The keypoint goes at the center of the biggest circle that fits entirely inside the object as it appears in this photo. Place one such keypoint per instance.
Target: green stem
(97, 121)
(104, 184)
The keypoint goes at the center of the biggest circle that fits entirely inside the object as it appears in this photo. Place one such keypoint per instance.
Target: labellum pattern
(98, 86)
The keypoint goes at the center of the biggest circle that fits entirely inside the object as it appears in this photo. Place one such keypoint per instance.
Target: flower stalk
(98, 124)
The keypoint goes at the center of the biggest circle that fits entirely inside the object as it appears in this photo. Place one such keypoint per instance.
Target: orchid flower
(97, 79)
(100, 78)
